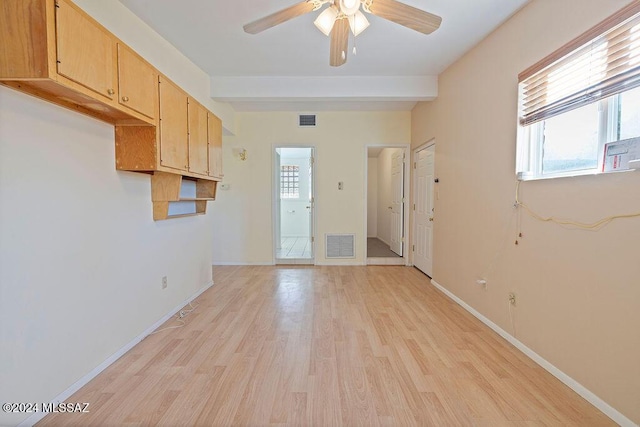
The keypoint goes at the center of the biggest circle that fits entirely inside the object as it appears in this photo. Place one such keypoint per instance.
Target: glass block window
(289, 182)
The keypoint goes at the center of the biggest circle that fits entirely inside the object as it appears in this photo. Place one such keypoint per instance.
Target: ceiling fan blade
(279, 17)
(339, 42)
(406, 15)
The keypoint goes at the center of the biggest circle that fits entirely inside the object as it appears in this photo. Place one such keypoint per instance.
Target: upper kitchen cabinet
(53, 50)
(86, 52)
(187, 141)
(215, 147)
(174, 132)
(137, 83)
(198, 141)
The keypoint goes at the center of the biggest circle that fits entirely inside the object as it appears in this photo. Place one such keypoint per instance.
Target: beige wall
(340, 140)
(578, 292)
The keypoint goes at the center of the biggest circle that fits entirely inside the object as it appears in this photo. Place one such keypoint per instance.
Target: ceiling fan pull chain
(355, 31)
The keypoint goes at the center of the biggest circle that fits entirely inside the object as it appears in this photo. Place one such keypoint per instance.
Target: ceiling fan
(344, 15)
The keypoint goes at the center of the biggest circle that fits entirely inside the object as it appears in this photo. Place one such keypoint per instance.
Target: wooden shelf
(161, 211)
(168, 189)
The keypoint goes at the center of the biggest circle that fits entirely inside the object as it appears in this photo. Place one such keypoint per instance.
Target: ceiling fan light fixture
(349, 7)
(326, 19)
(358, 23)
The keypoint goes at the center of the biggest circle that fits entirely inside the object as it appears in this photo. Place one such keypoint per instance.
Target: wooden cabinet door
(198, 144)
(215, 146)
(174, 147)
(86, 52)
(137, 83)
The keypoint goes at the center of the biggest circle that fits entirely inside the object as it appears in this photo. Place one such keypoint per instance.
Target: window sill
(523, 176)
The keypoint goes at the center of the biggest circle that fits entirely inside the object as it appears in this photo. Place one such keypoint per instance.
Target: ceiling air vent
(307, 120)
(340, 246)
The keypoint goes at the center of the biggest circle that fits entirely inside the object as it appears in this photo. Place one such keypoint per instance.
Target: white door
(311, 205)
(423, 238)
(397, 194)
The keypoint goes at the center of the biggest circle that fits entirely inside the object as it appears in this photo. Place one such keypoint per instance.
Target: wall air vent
(340, 246)
(307, 120)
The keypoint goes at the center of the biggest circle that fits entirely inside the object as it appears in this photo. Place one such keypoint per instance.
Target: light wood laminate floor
(323, 346)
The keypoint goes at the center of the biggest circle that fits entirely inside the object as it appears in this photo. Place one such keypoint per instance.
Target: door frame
(275, 215)
(407, 197)
(414, 183)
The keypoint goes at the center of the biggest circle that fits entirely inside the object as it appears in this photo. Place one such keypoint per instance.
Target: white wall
(372, 197)
(340, 140)
(577, 291)
(294, 213)
(81, 259)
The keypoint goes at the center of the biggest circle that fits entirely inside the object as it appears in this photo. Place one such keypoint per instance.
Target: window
(579, 98)
(289, 182)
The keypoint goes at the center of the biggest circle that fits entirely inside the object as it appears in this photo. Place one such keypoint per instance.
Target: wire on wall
(592, 226)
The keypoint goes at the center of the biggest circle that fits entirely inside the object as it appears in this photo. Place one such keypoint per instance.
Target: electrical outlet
(182, 313)
(164, 282)
(512, 298)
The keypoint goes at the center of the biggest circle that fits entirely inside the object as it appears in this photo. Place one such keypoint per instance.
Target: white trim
(340, 264)
(241, 263)
(588, 395)
(33, 419)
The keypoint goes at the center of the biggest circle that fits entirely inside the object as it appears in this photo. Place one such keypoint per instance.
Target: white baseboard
(33, 419)
(589, 396)
(240, 263)
(341, 264)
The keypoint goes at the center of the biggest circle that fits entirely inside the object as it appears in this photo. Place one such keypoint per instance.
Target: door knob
(125, 99)
(111, 91)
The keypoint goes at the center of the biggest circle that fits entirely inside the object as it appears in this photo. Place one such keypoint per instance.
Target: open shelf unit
(177, 196)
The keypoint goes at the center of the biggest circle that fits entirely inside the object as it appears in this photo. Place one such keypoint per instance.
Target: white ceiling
(210, 33)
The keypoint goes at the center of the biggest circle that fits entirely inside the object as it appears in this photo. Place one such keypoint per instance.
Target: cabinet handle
(125, 99)
(111, 91)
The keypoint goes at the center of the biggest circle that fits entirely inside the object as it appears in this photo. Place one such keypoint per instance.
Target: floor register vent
(307, 120)
(340, 246)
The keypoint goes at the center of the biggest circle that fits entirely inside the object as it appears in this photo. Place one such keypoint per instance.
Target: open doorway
(385, 206)
(294, 205)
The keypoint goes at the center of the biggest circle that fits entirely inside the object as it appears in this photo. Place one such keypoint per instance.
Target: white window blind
(603, 62)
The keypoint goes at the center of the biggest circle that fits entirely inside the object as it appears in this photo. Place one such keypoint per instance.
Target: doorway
(386, 206)
(294, 204)
(424, 207)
